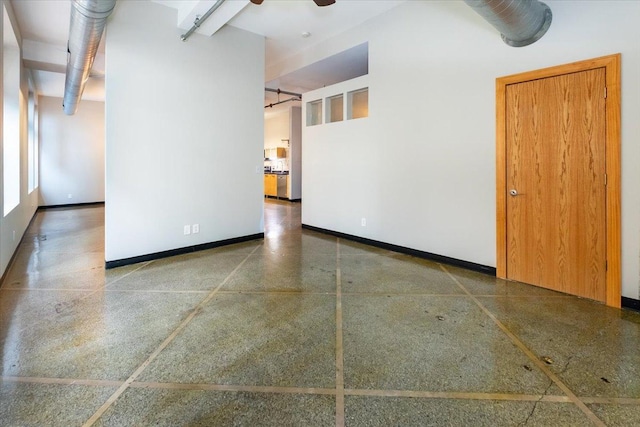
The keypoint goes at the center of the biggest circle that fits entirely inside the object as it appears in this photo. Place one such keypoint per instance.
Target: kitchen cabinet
(276, 185)
(275, 153)
(271, 185)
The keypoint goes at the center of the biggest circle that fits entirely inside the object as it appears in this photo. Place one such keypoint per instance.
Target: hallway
(301, 329)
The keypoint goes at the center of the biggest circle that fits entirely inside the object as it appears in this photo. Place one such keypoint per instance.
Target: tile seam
(156, 291)
(82, 298)
(107, 284)
(630, 401)
(454, 395)
(234, 388)
(401, 294)
(281, 292)
(518, 343)
(48, 290)
(276, 293)
(60, 381)
(163, 345)
(103, 287)
(340, 406)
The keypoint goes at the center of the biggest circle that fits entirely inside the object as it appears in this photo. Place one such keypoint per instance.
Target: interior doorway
(283, 153)
(558, 178)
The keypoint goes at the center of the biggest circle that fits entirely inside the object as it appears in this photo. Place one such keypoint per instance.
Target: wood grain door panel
(555, 160)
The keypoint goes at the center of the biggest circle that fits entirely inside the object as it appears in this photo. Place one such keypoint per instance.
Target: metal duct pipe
(520, 22)
(88, 18)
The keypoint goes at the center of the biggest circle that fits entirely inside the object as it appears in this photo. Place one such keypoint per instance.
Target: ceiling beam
(53, 58)
(189, 10)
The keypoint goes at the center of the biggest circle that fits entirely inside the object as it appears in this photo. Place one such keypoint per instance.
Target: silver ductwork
(520, 22)
(88, 19)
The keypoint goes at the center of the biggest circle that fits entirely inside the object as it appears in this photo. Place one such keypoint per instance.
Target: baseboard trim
(631, 304)
(180, 251)
(409, 251)
(71, 205)
(284, 199)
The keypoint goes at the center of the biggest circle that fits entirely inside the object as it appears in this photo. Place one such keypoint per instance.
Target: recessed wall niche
(335, 108)
(358, 104)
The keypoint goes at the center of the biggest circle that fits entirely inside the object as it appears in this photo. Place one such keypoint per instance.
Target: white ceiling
(44, 26)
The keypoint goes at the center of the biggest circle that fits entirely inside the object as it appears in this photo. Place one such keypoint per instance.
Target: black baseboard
(180, 251)
(284, 199)
(630, 303)
(71, 205)
(409, 251)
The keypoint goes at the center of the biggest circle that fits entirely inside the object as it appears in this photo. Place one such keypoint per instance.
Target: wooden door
(556, 177)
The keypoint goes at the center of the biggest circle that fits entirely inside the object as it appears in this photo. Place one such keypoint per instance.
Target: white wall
(184, 133)
(342, 178)
(295, 153)
(421, 168)
(11, 125)
(14, 224)
(71, 153)
(276, 127)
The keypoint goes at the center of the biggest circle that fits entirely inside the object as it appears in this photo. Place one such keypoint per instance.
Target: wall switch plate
(363, 222)
(14, 235)
(195, 228)
(187, 229)
(69, 196)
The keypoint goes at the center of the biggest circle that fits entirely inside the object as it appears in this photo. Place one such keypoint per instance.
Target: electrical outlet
(69, 196)
(187, 230)
(195, 228)
(363, 222)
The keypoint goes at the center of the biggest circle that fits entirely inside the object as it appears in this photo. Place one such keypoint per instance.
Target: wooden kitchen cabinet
(270, 185)
(275, 153)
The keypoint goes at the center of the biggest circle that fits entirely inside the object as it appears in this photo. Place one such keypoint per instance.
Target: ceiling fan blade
(257, 1)
(324, 2)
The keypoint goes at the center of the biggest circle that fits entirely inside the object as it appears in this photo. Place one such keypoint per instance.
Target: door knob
(513, 192)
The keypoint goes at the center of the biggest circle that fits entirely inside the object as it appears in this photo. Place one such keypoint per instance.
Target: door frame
(611, 64)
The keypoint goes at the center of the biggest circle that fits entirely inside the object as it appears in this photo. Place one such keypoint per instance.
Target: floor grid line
(340, 406)
(162, 346)
(308, 329)
(425, 394)
(539, 364)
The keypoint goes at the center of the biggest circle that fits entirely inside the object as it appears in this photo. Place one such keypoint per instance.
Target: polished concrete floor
(301, 329)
